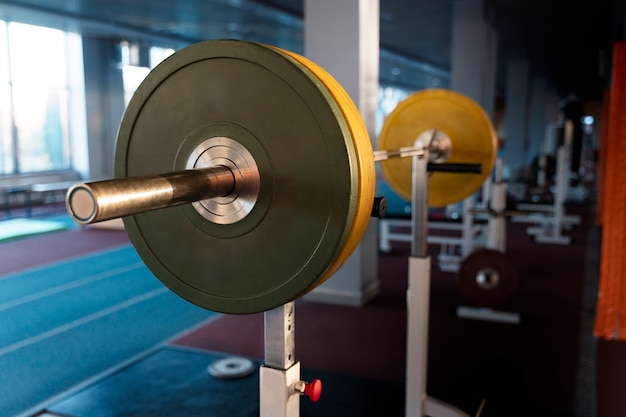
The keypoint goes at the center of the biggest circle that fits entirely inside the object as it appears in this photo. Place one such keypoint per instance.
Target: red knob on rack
(313, 390)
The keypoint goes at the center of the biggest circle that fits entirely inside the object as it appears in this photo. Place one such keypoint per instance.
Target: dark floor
(611, 378)
(532, 365)
(174, 382)
(540, 367)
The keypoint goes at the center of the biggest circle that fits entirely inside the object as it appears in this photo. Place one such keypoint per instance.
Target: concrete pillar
(343, 38)
(104, 97)
(515, 116)
(488, 100)
(552, 116)
(473, 64)
(474, 53)
(77, 108)
(537, 121)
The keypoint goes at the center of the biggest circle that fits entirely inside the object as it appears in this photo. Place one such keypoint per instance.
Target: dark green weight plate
(306, 159)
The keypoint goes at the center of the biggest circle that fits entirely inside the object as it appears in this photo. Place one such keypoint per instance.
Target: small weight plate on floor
(487, 278)
(461, 119)
(315, 178)
(231, 368)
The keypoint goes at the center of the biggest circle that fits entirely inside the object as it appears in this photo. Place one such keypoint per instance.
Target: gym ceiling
(568, 42)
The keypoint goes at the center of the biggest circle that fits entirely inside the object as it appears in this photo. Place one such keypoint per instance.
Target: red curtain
(611, 310)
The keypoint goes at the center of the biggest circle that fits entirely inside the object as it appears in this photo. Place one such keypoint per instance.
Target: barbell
(245, 175)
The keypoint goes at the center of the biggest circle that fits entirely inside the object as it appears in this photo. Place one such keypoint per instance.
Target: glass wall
(134, 71)
(388, 98)
(7, 160)
(39, 104)
(34, 99)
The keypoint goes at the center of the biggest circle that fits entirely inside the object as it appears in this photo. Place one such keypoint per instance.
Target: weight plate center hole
(227, 152)
(487, 278)
(439, 145)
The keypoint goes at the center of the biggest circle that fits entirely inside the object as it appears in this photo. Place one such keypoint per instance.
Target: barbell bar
(98, 201)
(104, 200)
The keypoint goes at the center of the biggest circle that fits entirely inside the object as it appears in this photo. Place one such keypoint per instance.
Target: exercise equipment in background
(549, 221)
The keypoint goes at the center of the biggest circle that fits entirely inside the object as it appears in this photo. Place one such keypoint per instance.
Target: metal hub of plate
(313, 184)
(222, 151)
(487, 278)
(438, 144)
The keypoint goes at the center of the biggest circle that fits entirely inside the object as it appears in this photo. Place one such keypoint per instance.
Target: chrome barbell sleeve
(104, 200)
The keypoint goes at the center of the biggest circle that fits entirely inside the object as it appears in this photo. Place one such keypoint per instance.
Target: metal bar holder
(280, 384)
(417, 402)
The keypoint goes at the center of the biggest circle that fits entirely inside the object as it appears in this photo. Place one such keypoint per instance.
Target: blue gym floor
(69, 323)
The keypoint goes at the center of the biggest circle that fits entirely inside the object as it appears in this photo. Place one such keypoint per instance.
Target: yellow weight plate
(365, 167)
(466, 124)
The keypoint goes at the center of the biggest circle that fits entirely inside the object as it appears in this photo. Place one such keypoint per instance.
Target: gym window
(134, 70)
(36, 97)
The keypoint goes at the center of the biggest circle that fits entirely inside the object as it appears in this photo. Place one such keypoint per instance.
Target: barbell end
(379, 208)
(81, 204)
(104, 200)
